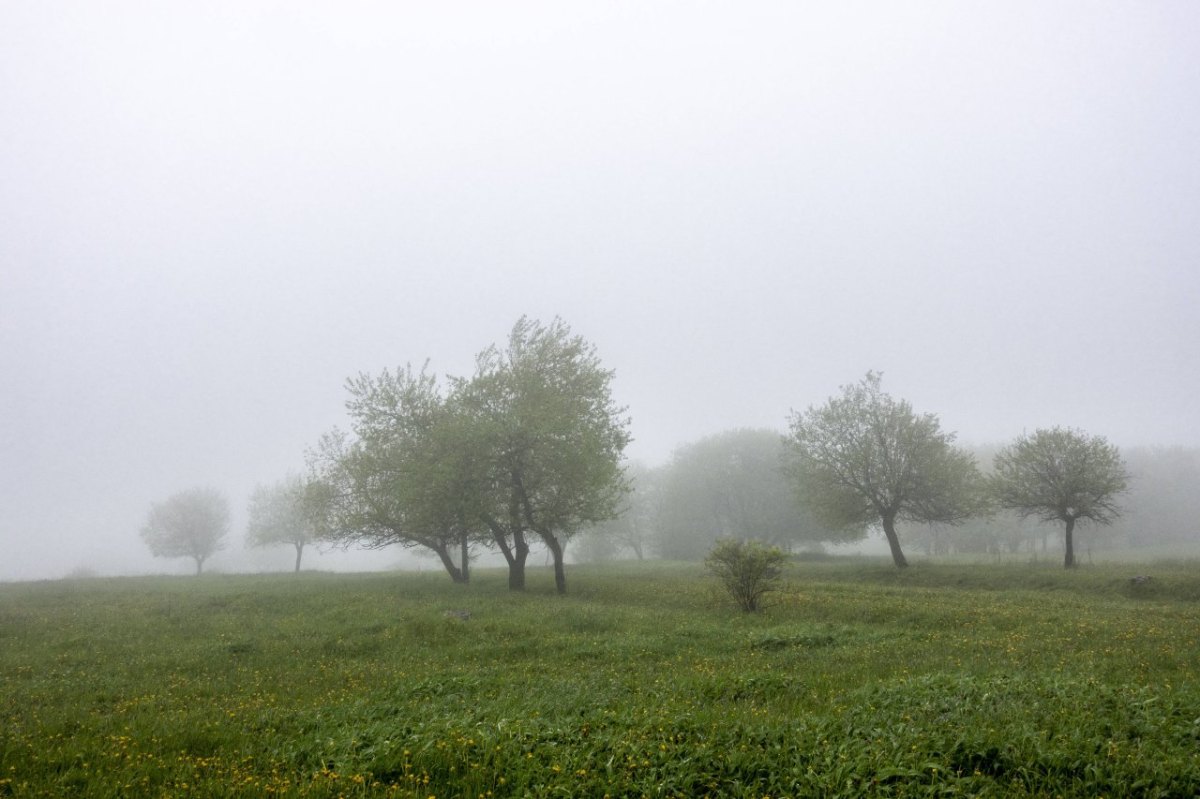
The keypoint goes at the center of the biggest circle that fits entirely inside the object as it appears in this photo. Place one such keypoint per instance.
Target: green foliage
(865, 458)
(407, 477)
(550, 437)
(190, 524)
(748, 570)
(1060, 474)
(294, 511)
(870, 681)
(530, 445)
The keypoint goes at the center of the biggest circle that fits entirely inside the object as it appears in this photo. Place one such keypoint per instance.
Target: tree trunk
(1069, 557)
(560, 574)
(889, 531)
(516, 564)
(299, 551)
(455, 573)
(514, 554)
(465, 559)
(199, 564)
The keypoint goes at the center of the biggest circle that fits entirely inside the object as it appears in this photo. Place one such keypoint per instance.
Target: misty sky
(214, 213)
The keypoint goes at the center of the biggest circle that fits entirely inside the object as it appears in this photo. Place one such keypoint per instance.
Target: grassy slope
(981, 680)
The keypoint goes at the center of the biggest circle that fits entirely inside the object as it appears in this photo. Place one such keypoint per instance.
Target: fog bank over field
(215, 215)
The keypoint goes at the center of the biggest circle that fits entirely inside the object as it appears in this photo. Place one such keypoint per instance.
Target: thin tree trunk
(1069, 557)
(465, 559)
(560, 573)
(889, 531)
(199, 565)
(299, 551)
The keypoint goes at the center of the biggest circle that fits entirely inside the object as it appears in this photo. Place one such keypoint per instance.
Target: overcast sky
(214, 213)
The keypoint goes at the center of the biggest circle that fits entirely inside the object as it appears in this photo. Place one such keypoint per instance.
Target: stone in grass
(461, 615)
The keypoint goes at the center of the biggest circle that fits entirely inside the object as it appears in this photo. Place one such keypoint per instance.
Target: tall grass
(857, 680)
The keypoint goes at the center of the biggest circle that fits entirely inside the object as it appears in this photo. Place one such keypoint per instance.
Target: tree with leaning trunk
(866, 458)
(190, 524)
(1060, 475)
(405, 478)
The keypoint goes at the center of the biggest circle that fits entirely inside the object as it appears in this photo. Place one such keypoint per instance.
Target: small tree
(293, 512)
(189, 524)
(1060, 475)
(747, 569)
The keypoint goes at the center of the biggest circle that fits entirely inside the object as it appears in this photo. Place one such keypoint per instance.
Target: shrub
(747, 569)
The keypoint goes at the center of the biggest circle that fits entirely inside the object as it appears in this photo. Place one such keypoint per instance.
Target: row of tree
(528, 450)
(863, 460)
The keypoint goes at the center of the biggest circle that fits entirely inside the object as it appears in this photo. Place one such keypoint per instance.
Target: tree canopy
(866, 458)
(189, 524)
(1060, 474)
(294, 511)
(404, 477)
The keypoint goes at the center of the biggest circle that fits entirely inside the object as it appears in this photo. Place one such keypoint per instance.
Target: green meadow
(857, 680)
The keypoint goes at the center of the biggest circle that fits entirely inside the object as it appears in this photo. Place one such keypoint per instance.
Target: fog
(216, 213)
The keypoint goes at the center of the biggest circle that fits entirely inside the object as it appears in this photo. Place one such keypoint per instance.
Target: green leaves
(189, 524)
(747, 569)
(549, 436)
(531, 443)
(866, 457)
(295, 511)
(1060, 474)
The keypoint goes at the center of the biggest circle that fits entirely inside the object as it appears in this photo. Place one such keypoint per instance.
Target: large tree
(731, 486)
(294, 511)
(865, 457)
(1060, 474)
(405, 478)
(547, 439)
(190, 524)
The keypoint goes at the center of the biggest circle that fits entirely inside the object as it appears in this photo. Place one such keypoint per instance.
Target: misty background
(213, 215)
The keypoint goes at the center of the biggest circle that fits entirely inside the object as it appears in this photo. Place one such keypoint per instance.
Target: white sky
(214, 213)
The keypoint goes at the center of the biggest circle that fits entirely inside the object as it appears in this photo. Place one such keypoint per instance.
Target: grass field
(858, 680)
